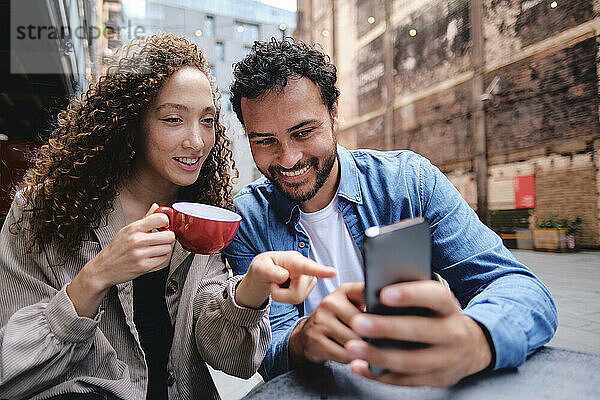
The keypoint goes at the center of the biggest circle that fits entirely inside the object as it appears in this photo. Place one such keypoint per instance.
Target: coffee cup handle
(170, 213)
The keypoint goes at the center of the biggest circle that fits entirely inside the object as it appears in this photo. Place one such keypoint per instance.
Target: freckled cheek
(209, 143)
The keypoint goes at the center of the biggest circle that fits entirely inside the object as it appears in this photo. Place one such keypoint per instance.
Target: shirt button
(301, 245)
(170, 378)
(172, 287)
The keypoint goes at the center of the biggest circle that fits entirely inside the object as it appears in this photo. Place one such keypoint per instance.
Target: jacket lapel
(179, 254)
(108, 228)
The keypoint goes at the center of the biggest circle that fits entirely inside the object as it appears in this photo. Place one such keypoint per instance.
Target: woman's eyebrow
(181, 107)
(176, 106)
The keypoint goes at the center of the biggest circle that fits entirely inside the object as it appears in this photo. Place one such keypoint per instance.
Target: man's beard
(322, 175)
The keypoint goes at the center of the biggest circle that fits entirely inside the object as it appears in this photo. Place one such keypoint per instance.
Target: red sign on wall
(524, 191)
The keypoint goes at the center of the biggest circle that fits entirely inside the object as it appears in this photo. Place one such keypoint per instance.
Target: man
(318, 198)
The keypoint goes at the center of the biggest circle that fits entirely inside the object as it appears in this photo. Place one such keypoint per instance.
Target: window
(219, 51)
(246, 33)
(209, 25)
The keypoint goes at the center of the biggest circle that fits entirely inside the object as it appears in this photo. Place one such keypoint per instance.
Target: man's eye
(304, 133)
(172, 120)
(208, 120)
(264, 141)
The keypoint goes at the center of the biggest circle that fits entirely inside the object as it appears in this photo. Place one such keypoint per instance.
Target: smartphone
(399, 252)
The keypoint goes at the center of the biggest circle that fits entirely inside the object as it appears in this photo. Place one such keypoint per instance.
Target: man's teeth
(297, 172)
(187, 160)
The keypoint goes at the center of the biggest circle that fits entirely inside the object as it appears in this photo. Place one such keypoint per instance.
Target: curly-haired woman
(95, 298)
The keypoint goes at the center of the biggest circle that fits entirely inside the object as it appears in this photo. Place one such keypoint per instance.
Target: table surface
(550, 373)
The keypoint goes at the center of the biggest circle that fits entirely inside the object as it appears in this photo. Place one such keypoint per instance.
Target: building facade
(50, 54)
(225, 30)
(501, 95)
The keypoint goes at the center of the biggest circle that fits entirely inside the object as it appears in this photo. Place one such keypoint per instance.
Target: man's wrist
(296, 345)
(484, 357)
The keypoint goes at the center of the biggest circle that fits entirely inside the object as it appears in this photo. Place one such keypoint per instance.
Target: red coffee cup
(201, 228)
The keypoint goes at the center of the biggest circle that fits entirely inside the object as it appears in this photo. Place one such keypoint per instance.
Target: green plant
(553, 222)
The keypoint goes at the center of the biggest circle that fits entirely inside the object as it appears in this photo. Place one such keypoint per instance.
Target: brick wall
(547, 110)
(370, 68)
(369, 134)
(510, 26)
(437, 126)
(549, 97)
(567, 193)
(440, 49)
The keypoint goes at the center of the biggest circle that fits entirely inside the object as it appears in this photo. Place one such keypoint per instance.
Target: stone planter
(524, 239)
(551, 240)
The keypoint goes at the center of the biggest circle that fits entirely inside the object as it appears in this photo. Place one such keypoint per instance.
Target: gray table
(550, 373)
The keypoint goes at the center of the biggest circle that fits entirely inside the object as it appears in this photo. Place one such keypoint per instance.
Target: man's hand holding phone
(455, 344)
(322, 335)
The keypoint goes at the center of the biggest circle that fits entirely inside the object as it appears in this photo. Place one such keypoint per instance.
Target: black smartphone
(399, 252)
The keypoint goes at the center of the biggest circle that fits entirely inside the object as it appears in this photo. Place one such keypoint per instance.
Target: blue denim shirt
(379, 188)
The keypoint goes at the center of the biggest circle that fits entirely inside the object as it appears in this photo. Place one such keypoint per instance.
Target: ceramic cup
(201, 228)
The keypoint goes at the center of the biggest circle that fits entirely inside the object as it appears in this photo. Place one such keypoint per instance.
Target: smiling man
(318, 198)
(301, 161)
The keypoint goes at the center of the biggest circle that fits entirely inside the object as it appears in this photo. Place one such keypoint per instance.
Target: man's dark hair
(270, 64)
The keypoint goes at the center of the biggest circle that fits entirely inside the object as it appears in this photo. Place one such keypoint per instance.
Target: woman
(95, 298)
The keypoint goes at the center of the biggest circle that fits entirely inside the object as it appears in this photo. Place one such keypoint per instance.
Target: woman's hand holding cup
(287, 276)
(135, 250)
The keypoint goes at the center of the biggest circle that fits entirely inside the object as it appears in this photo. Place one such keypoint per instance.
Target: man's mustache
(299, 165)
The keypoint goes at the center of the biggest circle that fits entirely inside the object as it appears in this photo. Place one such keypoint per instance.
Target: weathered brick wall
(366, 9)
(437, 126)
(370, 72)
(567, 193)
(464, 181)
(540, 22)
(509, 25)
(547, 107)
(440, 50)
(369, 134)
(549, 97)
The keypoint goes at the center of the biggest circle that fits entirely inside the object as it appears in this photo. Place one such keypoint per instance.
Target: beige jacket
(46, 349)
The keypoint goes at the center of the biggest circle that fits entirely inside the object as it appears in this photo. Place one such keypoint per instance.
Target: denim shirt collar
(348, 188)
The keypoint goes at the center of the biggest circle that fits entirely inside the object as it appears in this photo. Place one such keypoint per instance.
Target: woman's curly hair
(270, 64)
(88, 156)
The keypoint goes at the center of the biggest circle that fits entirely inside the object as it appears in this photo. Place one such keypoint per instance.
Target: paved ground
(574, 281)
(572, 278)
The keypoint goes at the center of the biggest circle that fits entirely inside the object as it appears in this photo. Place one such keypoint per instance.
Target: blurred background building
(33, 92)
(501, 95)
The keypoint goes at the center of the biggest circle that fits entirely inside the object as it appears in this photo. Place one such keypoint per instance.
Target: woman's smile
(187, 163)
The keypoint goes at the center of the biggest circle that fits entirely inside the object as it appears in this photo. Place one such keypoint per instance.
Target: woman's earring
(132, 154)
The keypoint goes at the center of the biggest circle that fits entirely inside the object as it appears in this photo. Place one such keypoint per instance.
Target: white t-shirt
(331, 244)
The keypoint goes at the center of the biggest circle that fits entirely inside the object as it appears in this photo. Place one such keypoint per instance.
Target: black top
(154, 326)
